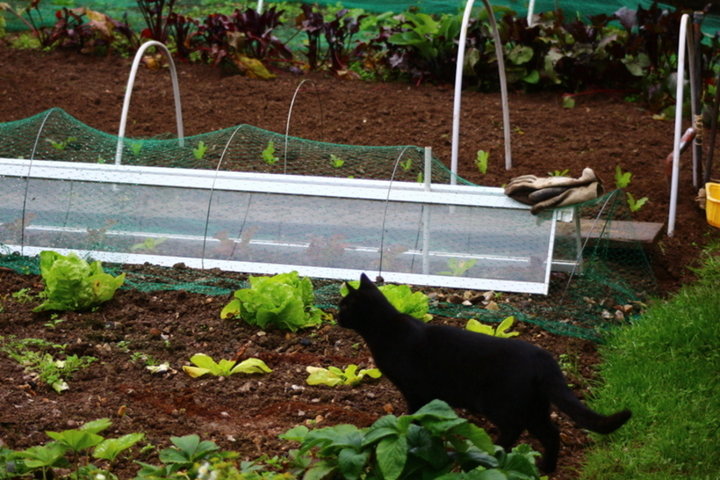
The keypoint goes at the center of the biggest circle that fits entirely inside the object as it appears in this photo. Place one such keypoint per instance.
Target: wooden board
(616, 231)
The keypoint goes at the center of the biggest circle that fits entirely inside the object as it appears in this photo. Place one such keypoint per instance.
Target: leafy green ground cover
(665, 368)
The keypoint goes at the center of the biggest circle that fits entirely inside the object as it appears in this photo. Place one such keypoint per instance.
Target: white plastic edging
(458, 88)
(678, 124)
(128, 94)
(212, 180)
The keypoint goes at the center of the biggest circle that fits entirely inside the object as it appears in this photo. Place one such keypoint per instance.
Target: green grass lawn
(666, 369)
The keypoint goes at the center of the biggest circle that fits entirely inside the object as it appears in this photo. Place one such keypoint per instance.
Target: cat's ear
(365, 281)
(350, 287)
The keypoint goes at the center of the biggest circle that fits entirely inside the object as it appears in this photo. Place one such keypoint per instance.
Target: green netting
(605, 286)
(56, 135)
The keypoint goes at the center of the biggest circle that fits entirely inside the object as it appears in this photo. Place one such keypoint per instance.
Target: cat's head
(362, 305)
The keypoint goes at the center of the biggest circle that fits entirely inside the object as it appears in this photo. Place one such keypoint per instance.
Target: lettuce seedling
(401, 297)
(204, 364)
(71, 283)
(333, 376)
(285, 301)
(500, 331)
(268, 154)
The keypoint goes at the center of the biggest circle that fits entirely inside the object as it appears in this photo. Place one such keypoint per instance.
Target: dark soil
(246, 413)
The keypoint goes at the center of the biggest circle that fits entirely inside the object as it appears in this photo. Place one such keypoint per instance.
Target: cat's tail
(564, 399)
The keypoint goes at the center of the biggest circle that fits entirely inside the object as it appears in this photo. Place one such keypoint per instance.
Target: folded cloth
(554, 191)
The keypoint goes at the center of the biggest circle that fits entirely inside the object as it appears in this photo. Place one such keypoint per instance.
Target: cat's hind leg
(542, 428)
(509, 434)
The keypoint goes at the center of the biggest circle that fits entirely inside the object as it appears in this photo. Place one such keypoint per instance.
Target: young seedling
(635, 204)
(268, 155)
(204, 364)
(23, 296)
(458, 267)
(406, 164)
(622, 179)
(481, 161)
(334, 376)
(500, 331)
(54, 321)
(335, 161)
(148, 245)
(136, 147)
(43, 365)
(568, 101)
(199, 151)
(559, 173)
(62, 144)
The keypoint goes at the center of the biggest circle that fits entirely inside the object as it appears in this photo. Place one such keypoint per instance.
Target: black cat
(510, 382)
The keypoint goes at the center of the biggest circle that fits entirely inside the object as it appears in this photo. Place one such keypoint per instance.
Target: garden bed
(242, 412)
(246, 413)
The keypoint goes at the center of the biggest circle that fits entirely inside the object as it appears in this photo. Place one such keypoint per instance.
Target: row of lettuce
(433, 442)
(634, 51)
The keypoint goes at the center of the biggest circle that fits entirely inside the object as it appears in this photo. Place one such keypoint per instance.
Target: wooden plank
(616, 231)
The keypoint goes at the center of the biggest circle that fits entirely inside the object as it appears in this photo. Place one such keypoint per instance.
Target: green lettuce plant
(481, 161)
(458, 267)
(401, 297)
(204, 364)
(284, 301)
(71, 283)
(334, 376)
(431, 443)
(268, 154)
(499, 331)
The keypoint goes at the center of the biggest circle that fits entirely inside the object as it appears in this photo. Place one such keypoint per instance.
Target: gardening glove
(569, 196)
(546, 192)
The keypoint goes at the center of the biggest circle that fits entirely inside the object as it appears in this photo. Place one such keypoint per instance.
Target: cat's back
(459, 342)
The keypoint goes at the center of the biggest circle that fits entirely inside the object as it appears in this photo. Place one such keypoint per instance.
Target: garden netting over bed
(505, 246)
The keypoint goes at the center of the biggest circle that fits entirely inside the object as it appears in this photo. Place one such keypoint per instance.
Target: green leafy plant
(73, 448)
(622, 179)
(335, 161)
(500, 331)
(635, 204)
(334, 376)
(458, 267)
(200, 150)
(136, 147)
(186, 454)
(62, 144)
(559, 173)
(568, 101)
(54, 321)
(148, 245)
(268, 154)
(406, 164)
(401, 297)
(431, 443)
(481, 161)
(284, 301)
(204, 364)
(71, 283)
(23, 296)
(37, 356)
